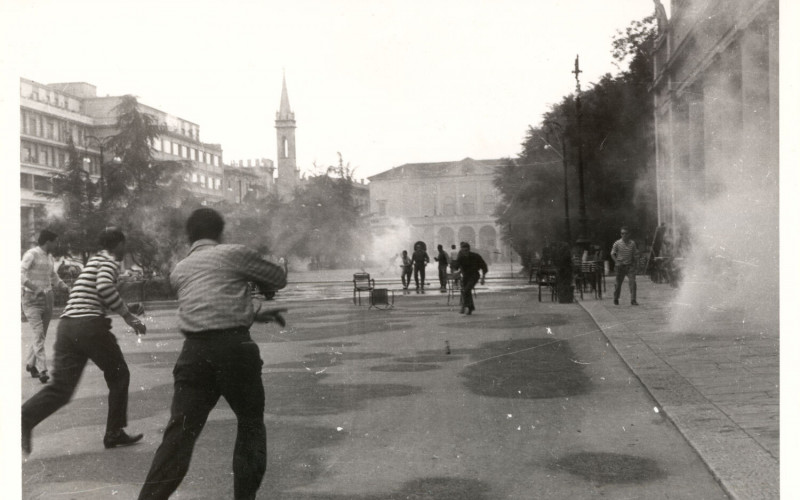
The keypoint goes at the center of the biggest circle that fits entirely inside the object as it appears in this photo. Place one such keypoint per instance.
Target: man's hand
(270, 315)
(135, 323)
(136, 308)
(483, 280)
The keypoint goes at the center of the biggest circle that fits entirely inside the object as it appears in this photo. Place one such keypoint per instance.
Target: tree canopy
(616, 138)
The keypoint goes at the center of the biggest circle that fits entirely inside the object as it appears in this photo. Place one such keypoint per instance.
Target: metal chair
(381, 298)
(361, 283)
(546, 277)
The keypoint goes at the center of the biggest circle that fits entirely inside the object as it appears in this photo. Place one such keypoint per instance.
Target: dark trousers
(213, 364)
(467, 286)
(419, 276)
(623, 270)
(77, 341)
(405, 277)
(443, 277)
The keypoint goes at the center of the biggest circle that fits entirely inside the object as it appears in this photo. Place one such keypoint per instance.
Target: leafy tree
(82, 220)
(616, 137)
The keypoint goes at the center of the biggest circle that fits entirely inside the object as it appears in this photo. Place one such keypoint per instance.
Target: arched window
(285, 147)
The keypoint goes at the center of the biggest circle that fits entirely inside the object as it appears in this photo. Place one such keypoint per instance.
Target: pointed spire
(285, 112)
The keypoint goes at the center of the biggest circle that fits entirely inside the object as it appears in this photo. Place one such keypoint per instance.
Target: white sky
(384, 83)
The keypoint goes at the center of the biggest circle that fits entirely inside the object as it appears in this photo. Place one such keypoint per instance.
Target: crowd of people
(466, 269)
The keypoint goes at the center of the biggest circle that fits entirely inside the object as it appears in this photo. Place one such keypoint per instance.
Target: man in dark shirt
(442, 260)
(421, 259)
(473, 268)
(218, 358)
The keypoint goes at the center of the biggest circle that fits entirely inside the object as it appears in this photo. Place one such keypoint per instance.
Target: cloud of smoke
(732, 266)
(390, 241)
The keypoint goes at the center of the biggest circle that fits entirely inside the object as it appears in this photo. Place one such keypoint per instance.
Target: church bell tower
(285, 126)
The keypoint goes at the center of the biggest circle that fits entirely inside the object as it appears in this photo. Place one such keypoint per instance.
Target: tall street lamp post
(583, 239)
(555, 128)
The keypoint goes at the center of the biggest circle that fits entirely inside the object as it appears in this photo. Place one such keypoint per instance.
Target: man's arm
(27, 262)
(107, 290)
(265, 274)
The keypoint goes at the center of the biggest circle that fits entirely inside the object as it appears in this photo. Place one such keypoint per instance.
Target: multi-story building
(716, 105)
(443, 203)
(50, 113)
(249, 178)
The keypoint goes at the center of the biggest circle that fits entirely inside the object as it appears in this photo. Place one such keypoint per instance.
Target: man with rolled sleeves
(39, 277)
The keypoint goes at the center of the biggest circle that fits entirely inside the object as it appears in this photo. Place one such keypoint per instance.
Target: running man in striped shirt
(84, 333)
(625, 255)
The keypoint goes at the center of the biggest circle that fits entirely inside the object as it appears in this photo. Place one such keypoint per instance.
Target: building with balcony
(443, 203)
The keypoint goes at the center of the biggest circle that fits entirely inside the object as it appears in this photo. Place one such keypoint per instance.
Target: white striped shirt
(623, 253)
(95, 289)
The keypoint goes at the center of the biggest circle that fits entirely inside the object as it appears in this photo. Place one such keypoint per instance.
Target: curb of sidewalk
(743, 468)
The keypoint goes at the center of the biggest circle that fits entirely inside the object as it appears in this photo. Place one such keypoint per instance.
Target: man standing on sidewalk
(215, 311)
(473, 268)
(38, 279)
(625, 255)
(84, 333)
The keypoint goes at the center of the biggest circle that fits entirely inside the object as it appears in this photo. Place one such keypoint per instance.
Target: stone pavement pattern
(717, 380)
(365, 404)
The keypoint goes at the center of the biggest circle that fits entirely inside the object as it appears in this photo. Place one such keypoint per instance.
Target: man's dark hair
(204, 223)
(453, 246)
(111, 237)
(464, 244)
(439, 247)
(45, 236)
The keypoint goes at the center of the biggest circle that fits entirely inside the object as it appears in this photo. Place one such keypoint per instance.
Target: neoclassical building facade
(440, 203)
(716, 100)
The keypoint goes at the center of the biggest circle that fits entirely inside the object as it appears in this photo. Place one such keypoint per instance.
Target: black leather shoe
(120, 438)
(616, 302)
(32, 370)
(634, 303)
(26, 440)
(44, 377)
(469, 311)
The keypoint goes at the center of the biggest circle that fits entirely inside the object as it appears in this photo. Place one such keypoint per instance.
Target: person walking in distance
(218, 358)
(442, 259)
(473, 269)
(625, 255)
(84, 333)
(421, 259)
(38, 279)
(406, 268)
(454, 266)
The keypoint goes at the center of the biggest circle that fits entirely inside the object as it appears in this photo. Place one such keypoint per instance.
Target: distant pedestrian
(218, 358)
(625, 255)
(84, 333)
(473, 269)
(421, 259)
(406, 268)
(456, 273)
(442, 259)
(38, 279)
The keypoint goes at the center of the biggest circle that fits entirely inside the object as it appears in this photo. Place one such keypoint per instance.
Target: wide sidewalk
(717, 380)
